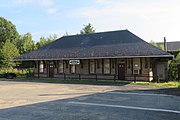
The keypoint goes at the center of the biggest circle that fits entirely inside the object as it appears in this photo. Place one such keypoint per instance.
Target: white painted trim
(126, 107)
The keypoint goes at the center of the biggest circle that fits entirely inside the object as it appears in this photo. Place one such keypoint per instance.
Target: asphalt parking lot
(45, 101)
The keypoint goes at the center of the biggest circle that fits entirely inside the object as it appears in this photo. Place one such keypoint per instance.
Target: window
(92, 66)
(73, 68)
(61, 67)
(41, 67)
(106, 66)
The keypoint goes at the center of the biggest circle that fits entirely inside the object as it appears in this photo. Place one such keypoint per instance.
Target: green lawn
(170, 84)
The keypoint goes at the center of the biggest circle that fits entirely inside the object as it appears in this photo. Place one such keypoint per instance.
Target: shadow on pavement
(83, 82)
(67, 109)
(168, 91)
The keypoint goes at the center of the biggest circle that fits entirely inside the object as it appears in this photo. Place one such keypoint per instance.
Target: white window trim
(105, 67)
(41, 67)
(91, 66)
(61, 67)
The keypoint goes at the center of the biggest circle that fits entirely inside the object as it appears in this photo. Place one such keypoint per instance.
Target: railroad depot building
(117, 55)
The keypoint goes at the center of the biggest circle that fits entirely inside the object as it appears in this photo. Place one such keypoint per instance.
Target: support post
(96, 77)
(114, 77)
(79, 76)
(158, 79)
(135, 78)
(64, 76)
(38, 69)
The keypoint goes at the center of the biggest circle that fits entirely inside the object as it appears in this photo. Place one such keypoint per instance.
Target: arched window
(41, 67)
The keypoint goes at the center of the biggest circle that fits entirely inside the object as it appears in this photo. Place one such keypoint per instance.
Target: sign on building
(74, 62)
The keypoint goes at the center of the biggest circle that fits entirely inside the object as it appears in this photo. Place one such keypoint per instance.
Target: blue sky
(149, 19)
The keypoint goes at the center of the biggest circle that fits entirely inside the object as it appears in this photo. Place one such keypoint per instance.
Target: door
(121, 71)
(51, 70)
(161, 71)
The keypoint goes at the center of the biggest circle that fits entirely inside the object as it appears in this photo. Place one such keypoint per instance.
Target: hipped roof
(113, 44)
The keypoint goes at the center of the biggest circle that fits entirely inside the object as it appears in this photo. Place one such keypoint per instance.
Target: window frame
(92, 63)
(62, 64)
(41, 67)
(105, 67)
(73, 71)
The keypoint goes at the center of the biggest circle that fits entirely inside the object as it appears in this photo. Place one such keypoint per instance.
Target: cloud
(34, 2)
(47, 5)
(52, 10)
(150, 19)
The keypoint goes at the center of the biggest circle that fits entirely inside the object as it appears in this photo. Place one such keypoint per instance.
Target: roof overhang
(153, 56)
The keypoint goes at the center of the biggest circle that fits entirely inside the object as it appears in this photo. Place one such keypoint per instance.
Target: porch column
(38, 68)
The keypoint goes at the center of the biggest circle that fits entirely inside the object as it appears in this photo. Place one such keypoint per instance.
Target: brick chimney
(165, 44)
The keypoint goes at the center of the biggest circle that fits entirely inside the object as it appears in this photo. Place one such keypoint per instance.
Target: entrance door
(51, 70)
(161, 71)
(121, 71)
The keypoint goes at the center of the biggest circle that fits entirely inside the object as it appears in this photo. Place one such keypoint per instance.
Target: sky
(148, 19)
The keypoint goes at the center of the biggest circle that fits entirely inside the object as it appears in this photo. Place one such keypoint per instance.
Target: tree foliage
(173, 68)
(25, 43)
(161, 46)
(44, 41)
(87, 29)
(153, 43)
(8, 52)
(7, 31)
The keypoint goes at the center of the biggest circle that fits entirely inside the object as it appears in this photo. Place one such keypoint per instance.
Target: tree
(153, 43)
(173, 68)
(87, 29)
(161, 46)
(7, 32)
(8, 52)
(44, 41)
(25, 43)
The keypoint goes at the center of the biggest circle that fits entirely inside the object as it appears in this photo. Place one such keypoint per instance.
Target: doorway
(51, 70)
(121, 71)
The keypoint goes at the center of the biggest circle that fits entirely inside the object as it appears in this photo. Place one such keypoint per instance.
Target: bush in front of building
(173, 68)
(9, 75)
(14, 72)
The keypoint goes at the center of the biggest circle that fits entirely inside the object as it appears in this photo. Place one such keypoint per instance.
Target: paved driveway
(43, 101)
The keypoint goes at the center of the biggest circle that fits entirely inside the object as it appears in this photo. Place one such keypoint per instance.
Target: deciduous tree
(7, 53)
(7, 32)
(44, 41)
(25, 43)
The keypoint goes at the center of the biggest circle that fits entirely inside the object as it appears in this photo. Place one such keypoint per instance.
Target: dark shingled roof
(113, 44)
(171, 45)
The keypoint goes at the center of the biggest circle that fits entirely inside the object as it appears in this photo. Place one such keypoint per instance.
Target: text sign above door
(74, 62)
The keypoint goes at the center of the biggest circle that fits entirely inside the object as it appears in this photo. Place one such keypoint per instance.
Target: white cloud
(52, 10)
(34, 2)
(47, 5)
(151, 20)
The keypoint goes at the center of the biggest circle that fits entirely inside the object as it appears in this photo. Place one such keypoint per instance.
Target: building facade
(117, 55)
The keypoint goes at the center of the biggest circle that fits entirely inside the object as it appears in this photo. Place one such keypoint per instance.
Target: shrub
(17, 72)
(173, 68)
(10, 75)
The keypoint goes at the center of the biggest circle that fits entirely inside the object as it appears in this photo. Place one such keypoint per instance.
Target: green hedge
(18, 72)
